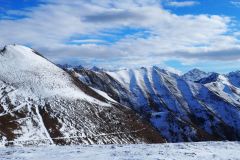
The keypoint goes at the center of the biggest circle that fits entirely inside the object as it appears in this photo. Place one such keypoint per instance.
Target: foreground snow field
(178, 151)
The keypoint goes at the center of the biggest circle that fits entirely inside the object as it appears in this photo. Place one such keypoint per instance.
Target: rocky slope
(197, 106)
(42, 104)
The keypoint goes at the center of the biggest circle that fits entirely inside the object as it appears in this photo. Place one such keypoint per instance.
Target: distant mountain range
(42, 103)
(196, 106)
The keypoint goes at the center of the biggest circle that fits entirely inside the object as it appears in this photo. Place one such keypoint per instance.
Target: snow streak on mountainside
(41, 103)
(194, 107)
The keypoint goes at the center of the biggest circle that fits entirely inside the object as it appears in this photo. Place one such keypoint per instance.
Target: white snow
(121, 76)
(105, 95)
(168, 151)
(225, 89)
(43, 126)
(34, 75)
(182, 96)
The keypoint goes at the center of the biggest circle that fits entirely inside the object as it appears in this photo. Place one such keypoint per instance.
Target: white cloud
(87, 41)
(182, 3)
(49, 26)
(235, 3)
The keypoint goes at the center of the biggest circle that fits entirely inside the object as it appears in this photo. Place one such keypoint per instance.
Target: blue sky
(178, 35)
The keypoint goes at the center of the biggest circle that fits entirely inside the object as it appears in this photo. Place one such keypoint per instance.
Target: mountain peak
(196, 70)
(25, 69)
(18, 51)
(96, 69)
(195, 75)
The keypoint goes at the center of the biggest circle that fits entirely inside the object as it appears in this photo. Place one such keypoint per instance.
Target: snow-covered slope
(168, 151)
(35, 75)
(181, 110)
(41, 103)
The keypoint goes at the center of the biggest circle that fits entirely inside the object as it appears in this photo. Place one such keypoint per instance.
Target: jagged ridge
(181, 109)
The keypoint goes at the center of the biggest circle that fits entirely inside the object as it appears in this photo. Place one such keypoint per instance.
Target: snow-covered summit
(24, 69)
(195, 75)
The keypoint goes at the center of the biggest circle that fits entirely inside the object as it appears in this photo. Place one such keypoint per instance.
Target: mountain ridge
(42, 104)
(160, 96)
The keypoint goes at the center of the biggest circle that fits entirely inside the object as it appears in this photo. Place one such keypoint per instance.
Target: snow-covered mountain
(195, 75)
(41, 103)
(194, 107)
(234, 78)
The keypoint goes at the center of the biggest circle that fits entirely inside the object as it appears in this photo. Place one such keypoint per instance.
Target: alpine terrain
(196, 106)
(42, 104)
